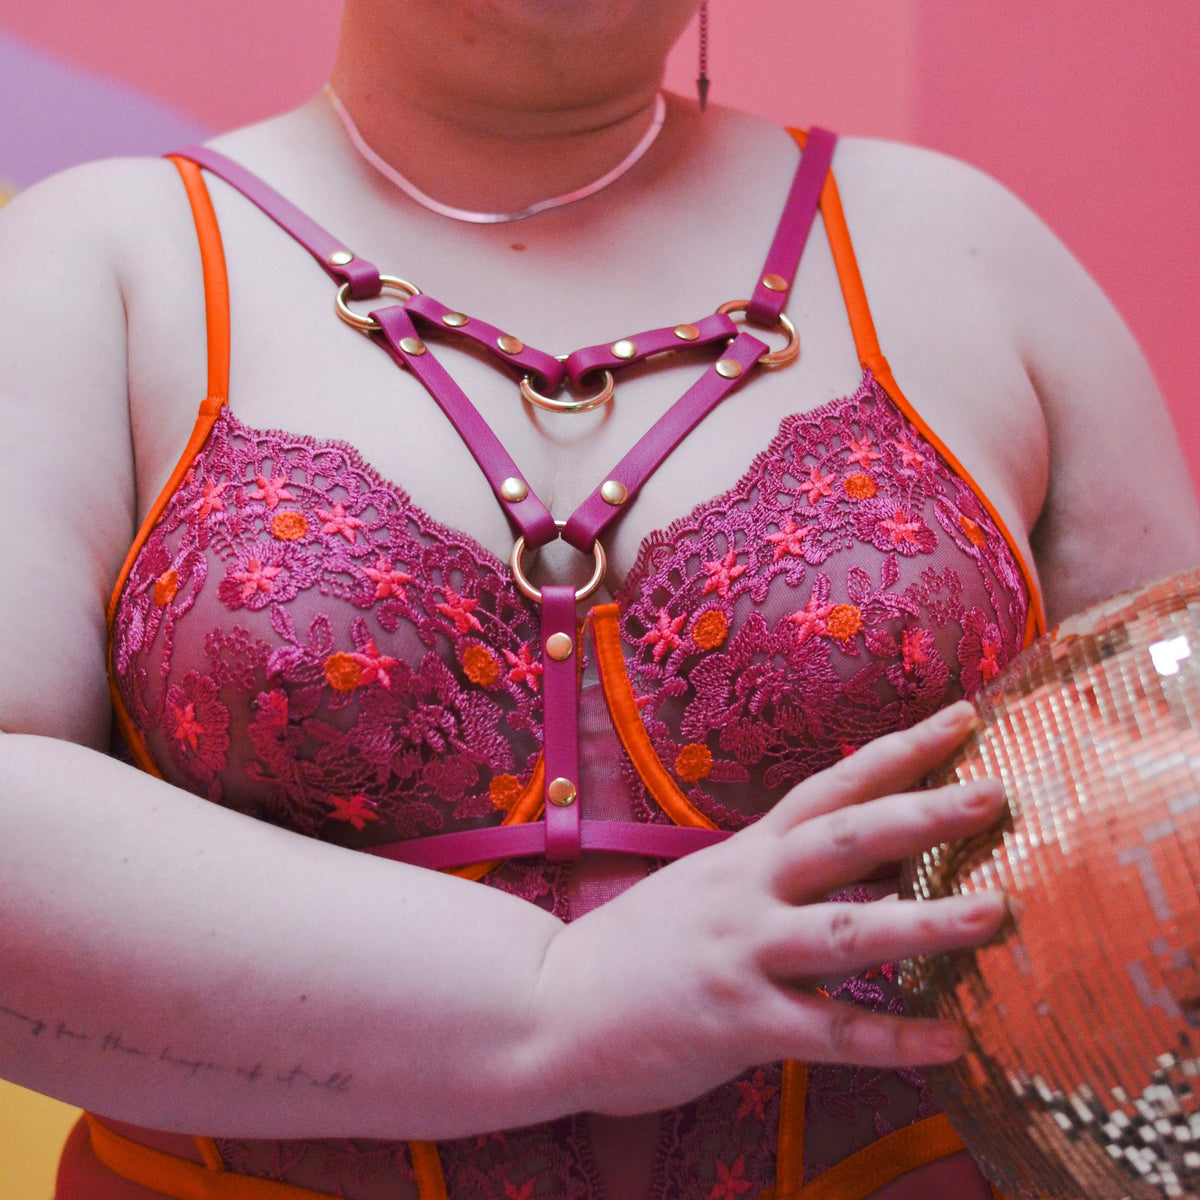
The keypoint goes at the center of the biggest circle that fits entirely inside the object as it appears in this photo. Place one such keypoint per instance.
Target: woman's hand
(709, 965)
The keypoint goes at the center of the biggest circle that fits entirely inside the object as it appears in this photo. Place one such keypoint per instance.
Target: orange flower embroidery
(694, 762)
(479, 666)
(289, 525)
(505, 791)
(711, 629)
(358, 810)
(972, 530)
(843, 621)
(342, 673)
(165, 587)
(859, 486)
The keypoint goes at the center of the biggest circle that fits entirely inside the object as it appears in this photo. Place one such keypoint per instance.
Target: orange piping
(789, 1153)
(527, 808)
(427, 1167)
(182, 1179)
(216, 309)
(622, 706)
(866, 342)
(874, 1166)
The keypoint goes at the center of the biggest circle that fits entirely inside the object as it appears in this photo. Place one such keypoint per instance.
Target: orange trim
(182, 1179)
(857, 1177)
(216, 281)
(622, 706)
(527, 808)
(427, 1167)
(789, 1153)
(216, 308)
(866, 342)
(209, 1152)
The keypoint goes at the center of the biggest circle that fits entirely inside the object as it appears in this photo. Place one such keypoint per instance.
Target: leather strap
(715, 328)
(560, 690)
(447, 851)
(791, 236)
(595, 514)
(528, 514)
(527, 360)
(362, 276)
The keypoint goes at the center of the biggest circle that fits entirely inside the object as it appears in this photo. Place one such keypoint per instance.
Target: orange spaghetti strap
(182, 1179)
(427, 1167)
(857, 1177)
(622, 706)
(216, 308)
(789, 1154)
(216, 281)
(866, 342)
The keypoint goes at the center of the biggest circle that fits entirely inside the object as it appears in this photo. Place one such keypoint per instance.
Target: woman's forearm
(171, 963)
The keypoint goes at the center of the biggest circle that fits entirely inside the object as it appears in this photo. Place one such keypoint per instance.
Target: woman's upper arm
(66, 459)
(1120, 507)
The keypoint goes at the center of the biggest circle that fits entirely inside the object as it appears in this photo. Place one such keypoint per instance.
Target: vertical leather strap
(560, 690)
(779, 271)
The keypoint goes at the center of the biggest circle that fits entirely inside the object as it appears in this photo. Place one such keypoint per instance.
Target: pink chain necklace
(411, 190)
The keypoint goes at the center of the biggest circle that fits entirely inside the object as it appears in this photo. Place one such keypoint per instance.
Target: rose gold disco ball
(1083, 1075)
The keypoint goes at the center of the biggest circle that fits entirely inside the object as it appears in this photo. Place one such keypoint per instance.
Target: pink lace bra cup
(298, 641)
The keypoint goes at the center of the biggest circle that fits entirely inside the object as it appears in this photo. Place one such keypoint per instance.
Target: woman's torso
(297, 368)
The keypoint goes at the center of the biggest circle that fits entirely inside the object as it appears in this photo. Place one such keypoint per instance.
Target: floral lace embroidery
(850, 584)
(297, 640)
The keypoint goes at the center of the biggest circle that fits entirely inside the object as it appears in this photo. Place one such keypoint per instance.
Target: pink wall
(1086, 108)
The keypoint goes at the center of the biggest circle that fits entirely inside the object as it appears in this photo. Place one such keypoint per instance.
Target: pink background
(1086, 108)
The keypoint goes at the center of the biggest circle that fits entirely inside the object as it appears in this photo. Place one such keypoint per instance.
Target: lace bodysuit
(294, 638)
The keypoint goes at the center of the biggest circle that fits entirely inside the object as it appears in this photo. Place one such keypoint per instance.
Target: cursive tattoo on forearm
(116, 1042)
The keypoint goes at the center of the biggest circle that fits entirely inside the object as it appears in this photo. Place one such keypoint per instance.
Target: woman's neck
(486, 113)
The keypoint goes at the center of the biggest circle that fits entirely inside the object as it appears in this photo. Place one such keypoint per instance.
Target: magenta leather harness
(564, 833)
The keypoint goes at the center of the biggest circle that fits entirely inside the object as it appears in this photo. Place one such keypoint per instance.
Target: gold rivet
(455, 320)
(510, 344)
(514, 489)
(614, 492)
(561, 792)
(686, 333)
(729, 368)
(339, 258)
(775, 283)
(559, 646)
(623, 349)
(413, 346)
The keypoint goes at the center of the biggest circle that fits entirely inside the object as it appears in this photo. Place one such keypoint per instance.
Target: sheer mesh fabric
(298, 641)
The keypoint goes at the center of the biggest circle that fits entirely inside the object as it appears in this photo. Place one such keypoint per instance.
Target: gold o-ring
(533, 593)
(774, 358)
(387, 283)
(603, 396)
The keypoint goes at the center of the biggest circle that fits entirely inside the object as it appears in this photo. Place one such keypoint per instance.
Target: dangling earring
(702, 82)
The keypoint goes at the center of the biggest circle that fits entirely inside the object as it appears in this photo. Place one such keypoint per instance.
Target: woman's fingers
(845, 844)
(838, 939)
(888, 764)
(832, 1031)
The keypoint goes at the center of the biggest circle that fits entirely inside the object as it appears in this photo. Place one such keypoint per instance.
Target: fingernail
(950, 1041)
(960, 715)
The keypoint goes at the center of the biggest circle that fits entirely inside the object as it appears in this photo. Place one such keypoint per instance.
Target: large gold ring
(387, 284)
(603, 396)
(533, 593)
(774, 358)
